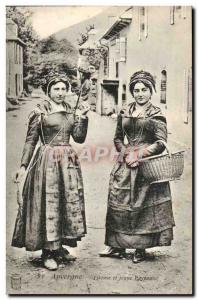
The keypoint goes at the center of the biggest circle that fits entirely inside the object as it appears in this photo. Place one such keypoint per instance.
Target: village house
(156, 39)
(14, 61)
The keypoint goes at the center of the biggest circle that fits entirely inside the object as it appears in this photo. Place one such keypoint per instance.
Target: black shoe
(64, 256)
(139, 256)
(112, 252)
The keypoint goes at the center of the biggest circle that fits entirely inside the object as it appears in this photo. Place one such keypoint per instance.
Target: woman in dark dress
(139, 215)
(52, 212)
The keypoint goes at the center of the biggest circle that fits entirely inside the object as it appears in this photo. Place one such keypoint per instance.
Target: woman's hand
(84, 108)
(131, 161)
(19, 175)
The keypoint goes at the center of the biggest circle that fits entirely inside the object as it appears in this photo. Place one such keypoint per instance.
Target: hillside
(101, 22)
(60, 51)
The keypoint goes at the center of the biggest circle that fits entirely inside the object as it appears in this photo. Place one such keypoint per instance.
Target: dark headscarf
(54, 78)
(142, 76)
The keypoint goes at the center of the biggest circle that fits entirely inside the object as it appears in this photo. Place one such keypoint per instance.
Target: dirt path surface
(168, 272)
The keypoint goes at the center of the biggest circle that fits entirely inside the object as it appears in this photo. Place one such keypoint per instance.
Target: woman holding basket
(139, 215)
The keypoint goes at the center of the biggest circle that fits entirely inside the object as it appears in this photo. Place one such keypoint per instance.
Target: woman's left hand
(85, 109)
(131, 162)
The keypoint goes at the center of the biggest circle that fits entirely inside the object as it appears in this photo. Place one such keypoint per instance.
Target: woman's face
(58, 92)
(141, 93)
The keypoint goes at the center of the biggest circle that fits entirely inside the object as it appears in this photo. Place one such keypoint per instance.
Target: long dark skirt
(139, 215)
(53, 200)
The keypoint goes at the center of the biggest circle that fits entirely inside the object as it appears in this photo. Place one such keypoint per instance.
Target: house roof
(10, 21)
(121, 22)
(18, 40)
(88, 45)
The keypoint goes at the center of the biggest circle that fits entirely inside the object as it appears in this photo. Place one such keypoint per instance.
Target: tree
(84, 36)
(94, 56)
(48, 45)
(54, 55)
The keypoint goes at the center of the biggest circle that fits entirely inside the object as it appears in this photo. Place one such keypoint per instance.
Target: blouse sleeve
(32, 138)
(160, 134)
(119, 137)
(79, 131)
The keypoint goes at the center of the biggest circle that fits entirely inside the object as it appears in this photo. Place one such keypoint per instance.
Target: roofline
(16, 40)
(10, 21)
(107, 35)
(88, 47)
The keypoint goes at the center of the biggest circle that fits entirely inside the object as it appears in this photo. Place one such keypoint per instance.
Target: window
(190, 90)
(9, 67)
(20, 53)
(142, 26)
(106, 63)
(117, 49)
(123, 48)
(117, 69)
(184, 12)
(163, 86)
(120, 49)
(15, 53)
(9, 76)
(118, 45)
(142, 11)
(172, 15)
(187, 100)
(143, 22)
(177, 12)
(16, 85)
(123, 93)
(19, 83)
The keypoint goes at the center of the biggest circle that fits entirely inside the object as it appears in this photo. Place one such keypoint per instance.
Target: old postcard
(99, 150)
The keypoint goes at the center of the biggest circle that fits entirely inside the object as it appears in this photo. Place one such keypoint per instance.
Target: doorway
(109, 103)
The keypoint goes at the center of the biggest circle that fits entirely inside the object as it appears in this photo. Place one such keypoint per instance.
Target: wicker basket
(164, 167)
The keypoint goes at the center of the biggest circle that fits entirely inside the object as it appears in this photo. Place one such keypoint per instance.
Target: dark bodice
(54, 129)
(57, 128)
(138, 130)
(145, 131)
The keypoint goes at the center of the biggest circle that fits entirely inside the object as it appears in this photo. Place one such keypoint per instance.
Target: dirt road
(168, 273)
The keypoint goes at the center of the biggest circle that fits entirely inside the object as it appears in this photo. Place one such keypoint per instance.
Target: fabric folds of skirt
(139, 215)
(53, 200)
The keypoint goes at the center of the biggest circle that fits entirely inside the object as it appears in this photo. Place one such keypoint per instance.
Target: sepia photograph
(99, 117)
